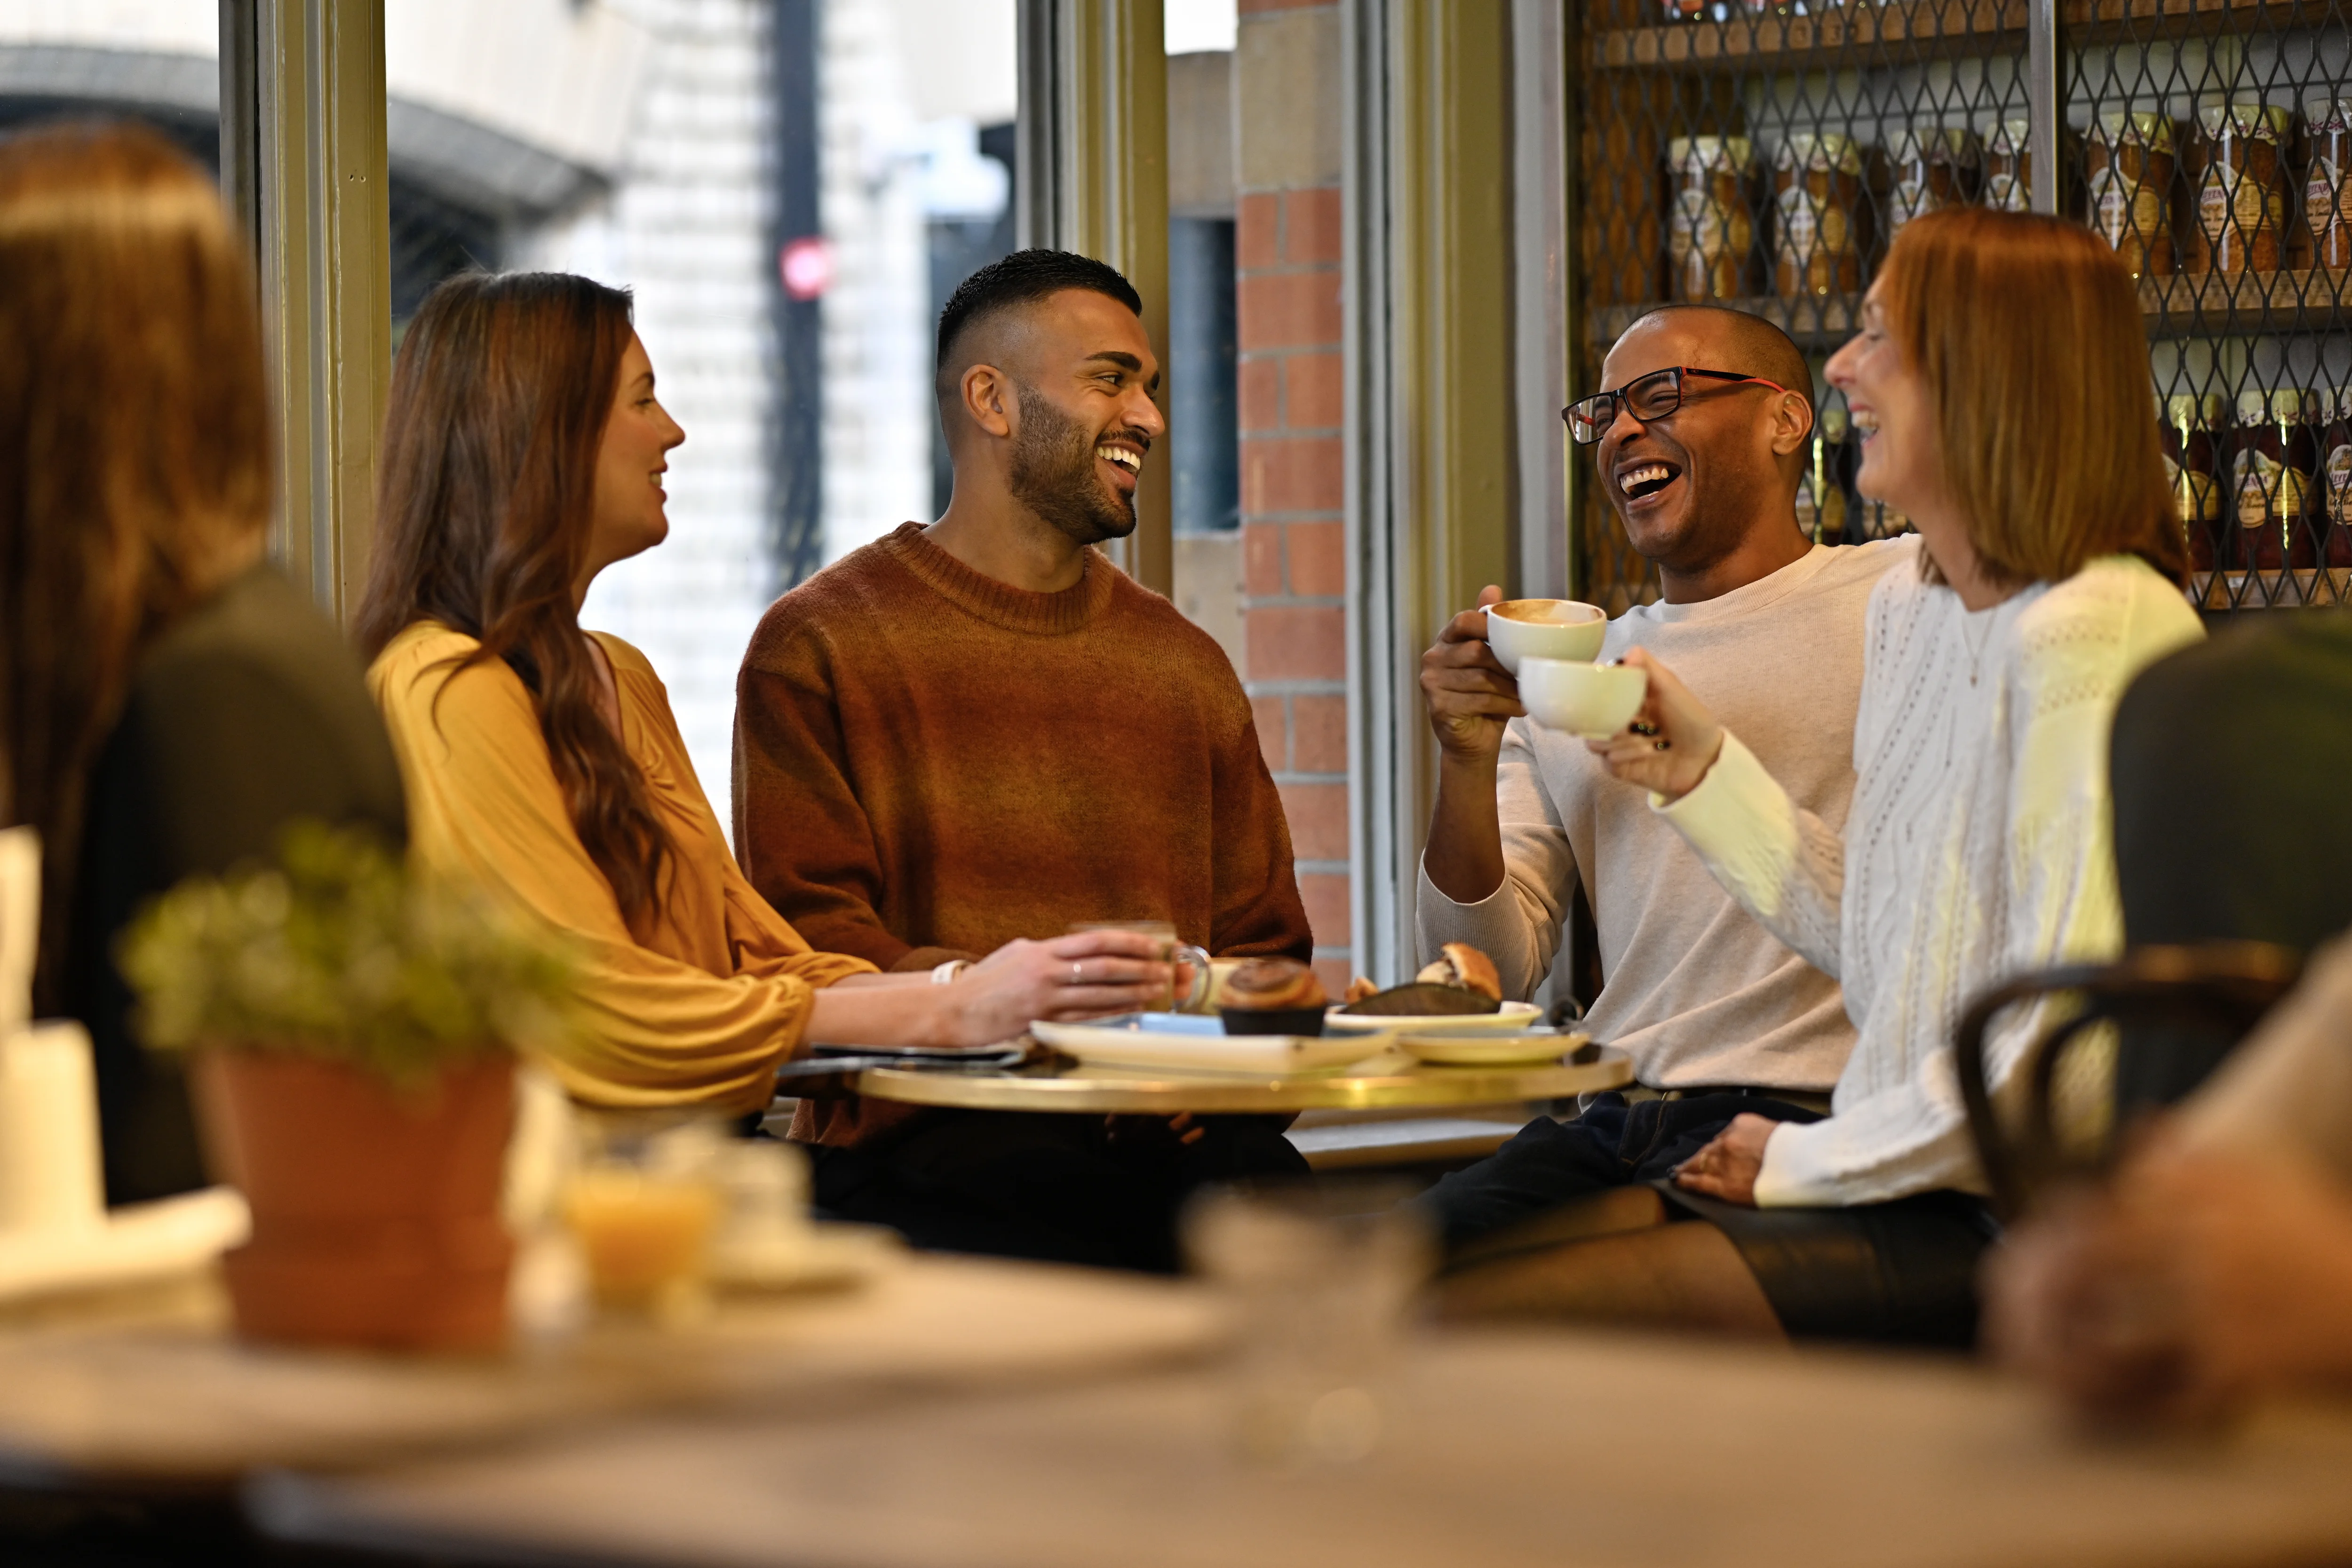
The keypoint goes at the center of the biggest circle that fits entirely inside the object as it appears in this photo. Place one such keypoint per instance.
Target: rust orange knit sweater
(930, 762)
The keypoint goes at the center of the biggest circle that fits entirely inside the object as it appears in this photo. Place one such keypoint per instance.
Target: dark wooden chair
(2218, 991)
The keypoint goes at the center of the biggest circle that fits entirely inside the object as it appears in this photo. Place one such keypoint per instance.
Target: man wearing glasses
(1702, 440)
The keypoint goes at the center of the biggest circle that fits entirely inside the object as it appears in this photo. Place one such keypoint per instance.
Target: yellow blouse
(720, 993)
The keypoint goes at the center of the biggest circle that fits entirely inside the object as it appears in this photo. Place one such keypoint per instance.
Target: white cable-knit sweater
(1978, 845)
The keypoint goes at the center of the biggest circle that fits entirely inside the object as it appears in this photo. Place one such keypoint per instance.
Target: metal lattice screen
(1764, 153)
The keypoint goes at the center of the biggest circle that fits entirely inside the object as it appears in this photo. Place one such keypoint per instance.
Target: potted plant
(354, 1027)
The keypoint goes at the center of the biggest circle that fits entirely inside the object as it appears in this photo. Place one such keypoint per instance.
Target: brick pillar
(1293, 577)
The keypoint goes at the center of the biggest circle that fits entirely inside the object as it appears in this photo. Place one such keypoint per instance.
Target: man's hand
(1671, 742)
(1727, 1168)
(1469, 694)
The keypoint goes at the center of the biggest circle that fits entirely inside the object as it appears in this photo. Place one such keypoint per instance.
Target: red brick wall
(1294, 605)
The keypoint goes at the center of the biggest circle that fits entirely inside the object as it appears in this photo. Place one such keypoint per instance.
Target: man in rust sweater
(982, 730)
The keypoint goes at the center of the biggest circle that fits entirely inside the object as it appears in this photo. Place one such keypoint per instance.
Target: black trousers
(1900, 1272)
(1053, 1188)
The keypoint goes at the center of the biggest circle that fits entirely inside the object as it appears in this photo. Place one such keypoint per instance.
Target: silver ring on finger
(1076, 977)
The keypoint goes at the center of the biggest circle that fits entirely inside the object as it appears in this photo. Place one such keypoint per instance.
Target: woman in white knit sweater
(2001, 388)
(2000, 385)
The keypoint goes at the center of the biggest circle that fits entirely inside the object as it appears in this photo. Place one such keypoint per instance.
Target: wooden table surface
(169, 1395)
(1500, 1450)
(1387, 1080)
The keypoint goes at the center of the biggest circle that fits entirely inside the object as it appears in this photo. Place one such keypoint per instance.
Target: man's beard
(1053, 475)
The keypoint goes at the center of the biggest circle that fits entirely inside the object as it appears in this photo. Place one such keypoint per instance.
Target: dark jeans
(1613, 1144)
(1901, 1272)
(1055, 1188)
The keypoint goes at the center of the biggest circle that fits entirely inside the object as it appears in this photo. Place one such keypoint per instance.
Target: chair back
(2222, 988)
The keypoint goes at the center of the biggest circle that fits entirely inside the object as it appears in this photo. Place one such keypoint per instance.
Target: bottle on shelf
(2130, 160)
(2270, 475)
(1817, 198)
(2334, 478)
(2241, 181)
(2327, 181)
(2307, 441)
(2188, 452)
(1710, 221)
(1820, 497)
(1809, 494)
(2009, 167)
(1932, 166)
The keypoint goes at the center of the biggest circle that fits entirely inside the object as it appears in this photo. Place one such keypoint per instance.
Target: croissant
(1459, 964)
(1267, 984)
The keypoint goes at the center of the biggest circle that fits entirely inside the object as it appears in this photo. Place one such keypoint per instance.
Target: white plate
(822, 1258)
(139, 1242)
(1513, 1018)
(1477, 1050)
(1199, 1051)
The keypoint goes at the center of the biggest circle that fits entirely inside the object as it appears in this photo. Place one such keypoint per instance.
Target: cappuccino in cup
(1544, 628)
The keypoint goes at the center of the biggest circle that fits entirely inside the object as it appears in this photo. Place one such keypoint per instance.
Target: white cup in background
(50, 1179)
(1544, 628)
(1594, 700)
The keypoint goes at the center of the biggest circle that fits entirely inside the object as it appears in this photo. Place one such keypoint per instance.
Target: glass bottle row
(2263, 483)
(1812, 229)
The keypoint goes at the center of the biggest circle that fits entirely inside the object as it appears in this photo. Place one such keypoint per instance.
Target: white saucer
(824, 1257)
(1513, 1018)
(1200, 1046)
(136, 1243)
(1483, 1050)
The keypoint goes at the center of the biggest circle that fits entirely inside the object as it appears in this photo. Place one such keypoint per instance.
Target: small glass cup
(1316, 1279)
(643, 1205)
(1198, 986)
(764, 1229)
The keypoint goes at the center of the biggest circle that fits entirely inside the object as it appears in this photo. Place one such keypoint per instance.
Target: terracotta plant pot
(376, 1210)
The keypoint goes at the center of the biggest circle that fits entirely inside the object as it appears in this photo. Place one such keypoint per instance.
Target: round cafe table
(1385, 1081)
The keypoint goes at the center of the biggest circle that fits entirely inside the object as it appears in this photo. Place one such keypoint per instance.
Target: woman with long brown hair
(524, 450)
(2001, 388)
(167, 701)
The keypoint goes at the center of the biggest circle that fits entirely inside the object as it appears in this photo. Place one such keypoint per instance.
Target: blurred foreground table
(1499, 1450)
(1386, 1080)
(141, 1393)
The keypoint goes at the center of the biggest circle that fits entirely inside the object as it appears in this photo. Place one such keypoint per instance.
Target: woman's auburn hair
(488, 487)
(2029, 331)
(136, 455)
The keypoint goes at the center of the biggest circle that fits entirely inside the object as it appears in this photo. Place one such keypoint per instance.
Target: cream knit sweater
(1978, 845)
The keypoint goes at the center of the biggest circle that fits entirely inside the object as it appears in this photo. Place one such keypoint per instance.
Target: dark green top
(249, 714)
(2231, 762)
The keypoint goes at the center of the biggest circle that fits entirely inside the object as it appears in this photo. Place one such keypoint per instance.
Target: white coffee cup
(1544, 628)
(1594, 700)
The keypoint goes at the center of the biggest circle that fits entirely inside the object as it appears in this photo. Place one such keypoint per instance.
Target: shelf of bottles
(1762, 154)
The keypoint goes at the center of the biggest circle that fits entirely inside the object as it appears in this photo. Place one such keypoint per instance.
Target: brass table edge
(1105, 1092)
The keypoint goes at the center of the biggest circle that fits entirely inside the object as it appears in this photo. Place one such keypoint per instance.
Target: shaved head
(1749, 345)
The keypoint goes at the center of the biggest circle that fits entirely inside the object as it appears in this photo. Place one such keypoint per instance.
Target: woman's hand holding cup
(1672, 740)
(1087, 975)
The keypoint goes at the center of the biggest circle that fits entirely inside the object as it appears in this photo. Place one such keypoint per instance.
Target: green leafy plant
(342, 952)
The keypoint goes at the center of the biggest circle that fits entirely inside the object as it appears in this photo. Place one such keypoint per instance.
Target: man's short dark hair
(1024, 277)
